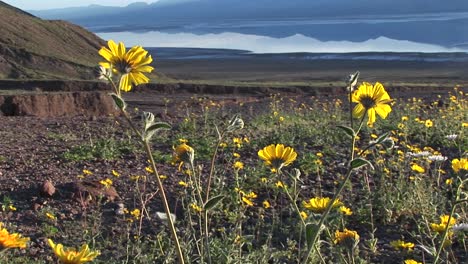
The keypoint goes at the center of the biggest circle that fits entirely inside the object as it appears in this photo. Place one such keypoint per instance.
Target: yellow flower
(71, 256)
(238, 165)
(449, 181)
(130, 65)
(279, 184)
(183, 184)
(87, 172)
(415, 167)
(237, 141)
(107, 182)
(195, 208)
(404, 118)
(428, 123)
(400, 244)
(346, 236)
(136, 213)
(303, 215)
(183, 153)
(277, 156)
(371, 99)
(223, 145)
(345, 210)
(319, 154)
(412, 261)
(14, 240)
(266, 204)
(444, 222)
(149, 170)
(115, 173)
(236, 155)
(247, 201)
(318, 205)
(459, 164)
(51, 216)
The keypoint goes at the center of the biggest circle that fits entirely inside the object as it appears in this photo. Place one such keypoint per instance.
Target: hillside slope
(32, 48)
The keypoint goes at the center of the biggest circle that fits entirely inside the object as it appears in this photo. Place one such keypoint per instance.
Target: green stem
(444, 237)
(160, 185)
(210, 176)
(335, 196)
(165, 204)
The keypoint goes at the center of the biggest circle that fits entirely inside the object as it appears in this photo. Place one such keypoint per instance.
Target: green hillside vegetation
(32, 48)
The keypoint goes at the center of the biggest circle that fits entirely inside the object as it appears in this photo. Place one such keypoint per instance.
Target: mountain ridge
(33, 48)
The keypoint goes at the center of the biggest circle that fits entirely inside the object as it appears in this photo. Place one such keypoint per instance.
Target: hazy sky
(49, 4)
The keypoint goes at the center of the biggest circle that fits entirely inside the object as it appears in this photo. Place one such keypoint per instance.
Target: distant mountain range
(439, 22)
(203, 10)
(33, 48)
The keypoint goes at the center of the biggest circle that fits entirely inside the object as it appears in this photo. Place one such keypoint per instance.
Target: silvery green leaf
(163, 217)
(119, 101)
(430, 251)
(359, 162)
(382, 137)
(148, 119)
(388, 143)
(349, 131)
(235, 123)
(311, 232)
(213, 202)
(352, 80)
(153, 128)
(158, 126)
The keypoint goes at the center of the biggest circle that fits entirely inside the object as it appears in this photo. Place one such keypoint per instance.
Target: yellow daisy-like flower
(277, 156)
(319, 205)
(238, 165)
(71, 256)
(444, 221)
(14, 240)
(415, 167)
(428, 123)
(195, 208)
(371, 99)
(346, 236)
(129, 64)
(400, 244)
(266, 204)
(412, 261)
(459, 164)
(107, 182)
(345, 210)
(183, 153)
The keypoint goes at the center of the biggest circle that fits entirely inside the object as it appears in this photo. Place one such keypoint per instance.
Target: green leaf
(388, 143)
(382, 138)
(213, 202)
(119, 101)
(158, 126)
(311, 232)
(349, 131)
(359, 162)
(153, 128)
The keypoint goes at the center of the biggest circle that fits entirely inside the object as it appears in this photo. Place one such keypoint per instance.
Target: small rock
(87, 191)
(47, 189)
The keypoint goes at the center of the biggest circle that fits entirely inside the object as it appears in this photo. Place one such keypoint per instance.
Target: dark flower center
(367, 101)
(122, 66)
